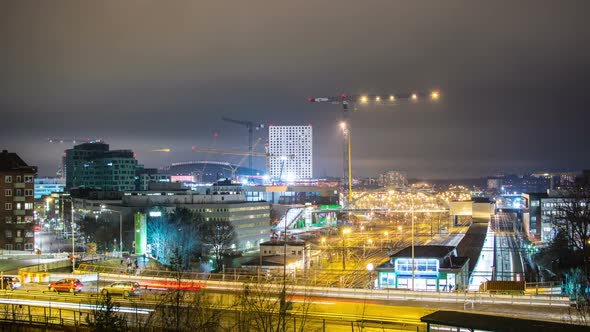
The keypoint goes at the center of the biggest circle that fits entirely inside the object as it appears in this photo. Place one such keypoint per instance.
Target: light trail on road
(69, 305)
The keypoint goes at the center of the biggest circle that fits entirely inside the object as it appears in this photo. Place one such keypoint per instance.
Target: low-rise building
(144, 177)
(224, 201)
(292, 256)
(436, 268)
(316, 194)
(47, 186)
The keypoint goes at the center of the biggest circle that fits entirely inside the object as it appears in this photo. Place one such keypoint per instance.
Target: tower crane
(71, 140)
(234, 169)
(345, 100)
(251, 127)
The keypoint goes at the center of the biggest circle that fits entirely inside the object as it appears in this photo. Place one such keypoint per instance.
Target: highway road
(337, 308)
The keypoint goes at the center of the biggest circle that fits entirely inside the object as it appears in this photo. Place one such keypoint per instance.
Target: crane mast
(251, 126)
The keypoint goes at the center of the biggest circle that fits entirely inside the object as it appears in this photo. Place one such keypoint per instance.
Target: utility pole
(73, 237)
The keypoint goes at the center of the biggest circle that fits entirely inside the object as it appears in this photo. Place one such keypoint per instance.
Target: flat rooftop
(497, 323)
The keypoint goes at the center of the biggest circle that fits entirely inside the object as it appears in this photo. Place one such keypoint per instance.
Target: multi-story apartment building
(17, 191)
(393, 179)
(542, 211)
(92, 165)
(290, 151)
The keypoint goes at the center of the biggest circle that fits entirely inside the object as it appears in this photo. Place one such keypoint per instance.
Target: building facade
(47, 186)
(543, 212)
(145, 176)
(393, 179)
(290, 151)
(224, 201)
(294, 194)
(17, 202)
(92, 165)
(436, 269)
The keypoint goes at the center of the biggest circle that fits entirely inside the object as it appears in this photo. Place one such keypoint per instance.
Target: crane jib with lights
(345, 100)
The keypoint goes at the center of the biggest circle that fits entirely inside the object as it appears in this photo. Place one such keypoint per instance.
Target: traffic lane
(153, 289)
(89, 287)
(385, 308)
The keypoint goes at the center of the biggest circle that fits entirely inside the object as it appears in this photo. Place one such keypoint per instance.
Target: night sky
(143, 75)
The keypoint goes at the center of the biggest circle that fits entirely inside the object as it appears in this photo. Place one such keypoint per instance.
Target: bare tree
(161, 238)
(218, 236)
(182, 310)
(105, 317)
(177, 230)
(270, 308)
(260, 309)
(573, 219)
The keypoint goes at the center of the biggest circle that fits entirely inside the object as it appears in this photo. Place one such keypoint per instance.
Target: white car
(125, 288)
(11, 283)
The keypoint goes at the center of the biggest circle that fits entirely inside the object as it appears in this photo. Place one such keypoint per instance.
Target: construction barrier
(28, 277)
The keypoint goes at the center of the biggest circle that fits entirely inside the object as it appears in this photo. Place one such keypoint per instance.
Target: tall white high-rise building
(290, 151)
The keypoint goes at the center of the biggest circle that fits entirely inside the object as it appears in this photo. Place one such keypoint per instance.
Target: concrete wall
(461, 208)
(482, 212)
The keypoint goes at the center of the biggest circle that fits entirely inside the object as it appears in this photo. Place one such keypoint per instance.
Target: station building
(436, 269)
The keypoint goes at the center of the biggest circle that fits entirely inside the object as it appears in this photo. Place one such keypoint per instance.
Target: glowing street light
(377, 98)
(435, 95)
(392, 98)
(414, 96)
(364, 99)
(370, 268)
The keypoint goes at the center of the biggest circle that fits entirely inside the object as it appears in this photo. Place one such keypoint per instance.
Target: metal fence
(59, 319)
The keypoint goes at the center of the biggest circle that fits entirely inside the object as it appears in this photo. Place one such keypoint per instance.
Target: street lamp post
(344, 232)
(370, 268)
(73, 236)
(412, 216)
(347, 152)
(103, 208)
